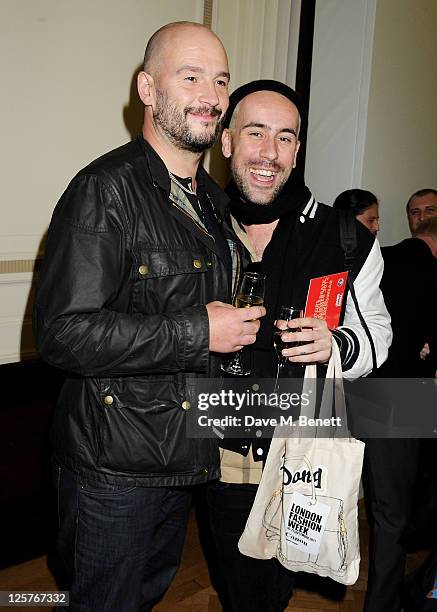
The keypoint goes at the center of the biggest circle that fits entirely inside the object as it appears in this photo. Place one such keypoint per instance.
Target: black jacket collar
(159, 175)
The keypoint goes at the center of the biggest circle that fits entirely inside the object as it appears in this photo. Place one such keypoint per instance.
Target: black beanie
(263, 85)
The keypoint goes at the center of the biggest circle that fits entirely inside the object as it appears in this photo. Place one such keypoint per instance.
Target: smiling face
(194, 128)
(421, 208)
(262, 142)
(186, 88)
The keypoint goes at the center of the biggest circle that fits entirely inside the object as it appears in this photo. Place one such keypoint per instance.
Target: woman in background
(363, 204)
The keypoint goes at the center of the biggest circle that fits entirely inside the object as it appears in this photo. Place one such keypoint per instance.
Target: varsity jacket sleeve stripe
(354, 345)
(349, 346)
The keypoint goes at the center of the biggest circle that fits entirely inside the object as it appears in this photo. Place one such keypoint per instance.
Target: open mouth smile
(262, 175)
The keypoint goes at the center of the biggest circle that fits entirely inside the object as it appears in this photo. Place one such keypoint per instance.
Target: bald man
(133, 298)
(290, 238)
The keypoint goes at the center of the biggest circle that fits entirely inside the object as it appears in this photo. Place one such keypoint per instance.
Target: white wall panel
(342, 53)
(372, 110)
(16, 299)
(67, 73)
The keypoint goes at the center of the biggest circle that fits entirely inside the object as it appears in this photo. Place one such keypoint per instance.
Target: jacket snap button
(186, 405)
(209, 264)
(197, 263)
(143, 270)
(205, 471)
(109, 400)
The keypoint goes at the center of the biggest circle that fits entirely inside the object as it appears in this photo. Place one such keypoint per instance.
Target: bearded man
(134, 296)
(290, 238)
(421, 206)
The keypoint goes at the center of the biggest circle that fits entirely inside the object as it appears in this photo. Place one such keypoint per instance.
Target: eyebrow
(424, 206)
(254, 124)
(198, 70)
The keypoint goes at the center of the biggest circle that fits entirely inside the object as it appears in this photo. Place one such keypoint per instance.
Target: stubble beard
(174, 124)
(246, 190)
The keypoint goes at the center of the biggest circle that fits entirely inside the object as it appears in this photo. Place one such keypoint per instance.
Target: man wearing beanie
(290, 238)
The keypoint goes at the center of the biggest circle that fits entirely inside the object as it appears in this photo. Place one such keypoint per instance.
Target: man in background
(134, 296)
(422, 205)
(393, 476)
(409, 270)
(420, 594)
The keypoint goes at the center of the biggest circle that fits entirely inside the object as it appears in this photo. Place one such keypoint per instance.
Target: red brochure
(325, 297)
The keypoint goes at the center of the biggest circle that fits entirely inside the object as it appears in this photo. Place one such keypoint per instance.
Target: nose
(269, 149)
(208, 94)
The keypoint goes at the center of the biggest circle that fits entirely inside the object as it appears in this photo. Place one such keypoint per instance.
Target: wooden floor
(191, 589)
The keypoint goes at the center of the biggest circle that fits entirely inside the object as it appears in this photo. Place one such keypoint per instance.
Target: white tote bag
(305, 510)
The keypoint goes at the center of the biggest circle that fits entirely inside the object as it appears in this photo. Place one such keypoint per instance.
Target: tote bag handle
(333, 401)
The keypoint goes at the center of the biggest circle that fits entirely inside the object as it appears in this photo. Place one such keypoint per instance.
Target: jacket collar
(159, 176)
(157, 169)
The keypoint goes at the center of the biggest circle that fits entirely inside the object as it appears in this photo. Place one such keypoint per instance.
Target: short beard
(174, 124)
(244, 189)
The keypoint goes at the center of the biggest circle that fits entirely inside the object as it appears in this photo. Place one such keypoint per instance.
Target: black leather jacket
(121, 307)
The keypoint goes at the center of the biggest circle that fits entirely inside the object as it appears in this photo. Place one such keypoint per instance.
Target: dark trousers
(120, 546)
(250, 585)
(390, 473)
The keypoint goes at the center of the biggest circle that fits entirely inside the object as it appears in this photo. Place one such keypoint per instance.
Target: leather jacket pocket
(169, 280)
(143, 427)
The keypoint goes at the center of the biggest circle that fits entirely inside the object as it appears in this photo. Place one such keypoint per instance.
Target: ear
(226, 143)
(296, 151)
(146, 89)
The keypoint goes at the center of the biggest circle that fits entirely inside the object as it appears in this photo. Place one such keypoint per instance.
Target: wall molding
(20, 277)
(341, 75)
(17, 340)
(26, 355)
(16, 296)
(19, 266)
(208, 7)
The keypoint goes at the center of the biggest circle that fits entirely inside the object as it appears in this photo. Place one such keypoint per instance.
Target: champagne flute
(286, 313)
(250, 293)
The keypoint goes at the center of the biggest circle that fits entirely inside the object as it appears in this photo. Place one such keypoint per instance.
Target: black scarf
(280, 256)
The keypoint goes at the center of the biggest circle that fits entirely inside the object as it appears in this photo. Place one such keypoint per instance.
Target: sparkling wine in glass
(286, 313)
(250, 293)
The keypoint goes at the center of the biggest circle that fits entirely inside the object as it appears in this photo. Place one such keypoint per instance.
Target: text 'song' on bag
(305, 511)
